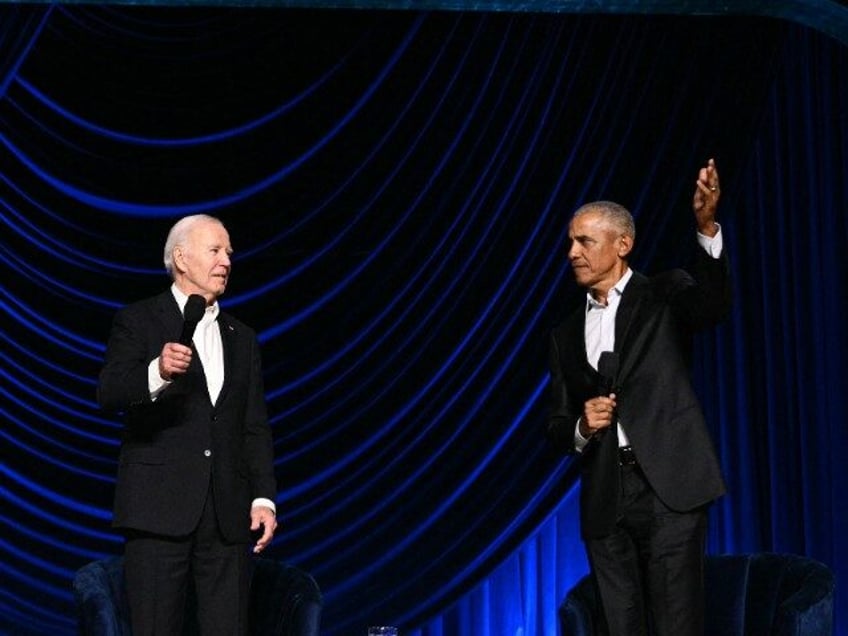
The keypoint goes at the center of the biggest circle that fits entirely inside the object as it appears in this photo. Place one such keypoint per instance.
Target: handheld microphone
(608, 370)
(194, 309)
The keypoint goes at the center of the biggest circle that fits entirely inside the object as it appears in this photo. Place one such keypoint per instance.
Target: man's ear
(625, 245)
(179, 259)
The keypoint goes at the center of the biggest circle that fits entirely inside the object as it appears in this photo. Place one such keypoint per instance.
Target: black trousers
(650, 570)
(158, 570)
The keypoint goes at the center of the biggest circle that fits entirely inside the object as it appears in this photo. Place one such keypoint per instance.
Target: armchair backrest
(100, 598)
(761, 593)
(284, 600)
(768, 593)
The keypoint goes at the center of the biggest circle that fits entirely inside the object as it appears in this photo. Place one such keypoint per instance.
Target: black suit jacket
(175, 446)
(657, 405)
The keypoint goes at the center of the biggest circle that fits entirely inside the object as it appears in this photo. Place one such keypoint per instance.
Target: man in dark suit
(195, 475)
(621, 398)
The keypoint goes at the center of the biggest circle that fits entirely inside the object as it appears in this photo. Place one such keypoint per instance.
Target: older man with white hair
(195, 477)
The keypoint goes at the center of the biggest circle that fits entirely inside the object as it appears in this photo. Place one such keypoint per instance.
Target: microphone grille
(194, 308)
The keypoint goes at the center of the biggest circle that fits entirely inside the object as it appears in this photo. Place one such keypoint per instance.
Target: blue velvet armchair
(746, 595)
(284, 600)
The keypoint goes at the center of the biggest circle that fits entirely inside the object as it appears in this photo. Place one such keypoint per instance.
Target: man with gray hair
(622, 400)
(195, 473)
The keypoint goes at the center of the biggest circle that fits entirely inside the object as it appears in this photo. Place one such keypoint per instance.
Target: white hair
(178, 236)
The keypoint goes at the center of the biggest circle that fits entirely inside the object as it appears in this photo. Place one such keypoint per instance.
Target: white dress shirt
(207, 344)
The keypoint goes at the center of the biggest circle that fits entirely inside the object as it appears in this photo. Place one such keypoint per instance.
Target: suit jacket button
(207, 453)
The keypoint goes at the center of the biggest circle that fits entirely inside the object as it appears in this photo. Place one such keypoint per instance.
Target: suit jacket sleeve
(561, 419)
(258, 444)
(123, 378)
(708, 299)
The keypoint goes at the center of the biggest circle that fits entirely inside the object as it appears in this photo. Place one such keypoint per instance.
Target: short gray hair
(613, 213)
(178, 235)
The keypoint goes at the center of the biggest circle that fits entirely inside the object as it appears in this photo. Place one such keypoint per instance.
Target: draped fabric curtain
(770, 377)
(397, 186)
(782, 423)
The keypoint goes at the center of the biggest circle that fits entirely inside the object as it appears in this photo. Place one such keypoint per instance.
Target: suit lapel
(574, 339)
(628, 313)
(170, 317)
(228, 337)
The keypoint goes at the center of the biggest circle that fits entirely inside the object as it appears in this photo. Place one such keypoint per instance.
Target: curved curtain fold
(18, 32)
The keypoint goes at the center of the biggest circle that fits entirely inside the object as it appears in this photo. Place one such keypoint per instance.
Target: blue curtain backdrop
(397, 186)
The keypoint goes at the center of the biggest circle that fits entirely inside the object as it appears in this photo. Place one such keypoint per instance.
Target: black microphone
(194, 309)
(608, 370)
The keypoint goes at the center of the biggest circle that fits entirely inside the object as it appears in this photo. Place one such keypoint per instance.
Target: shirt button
(207, 453)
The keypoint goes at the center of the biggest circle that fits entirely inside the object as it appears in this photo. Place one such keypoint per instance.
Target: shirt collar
(212, 310)
(617, 290)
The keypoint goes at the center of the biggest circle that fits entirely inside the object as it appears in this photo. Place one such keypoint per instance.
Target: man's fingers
(269, 524)
(175, 358)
